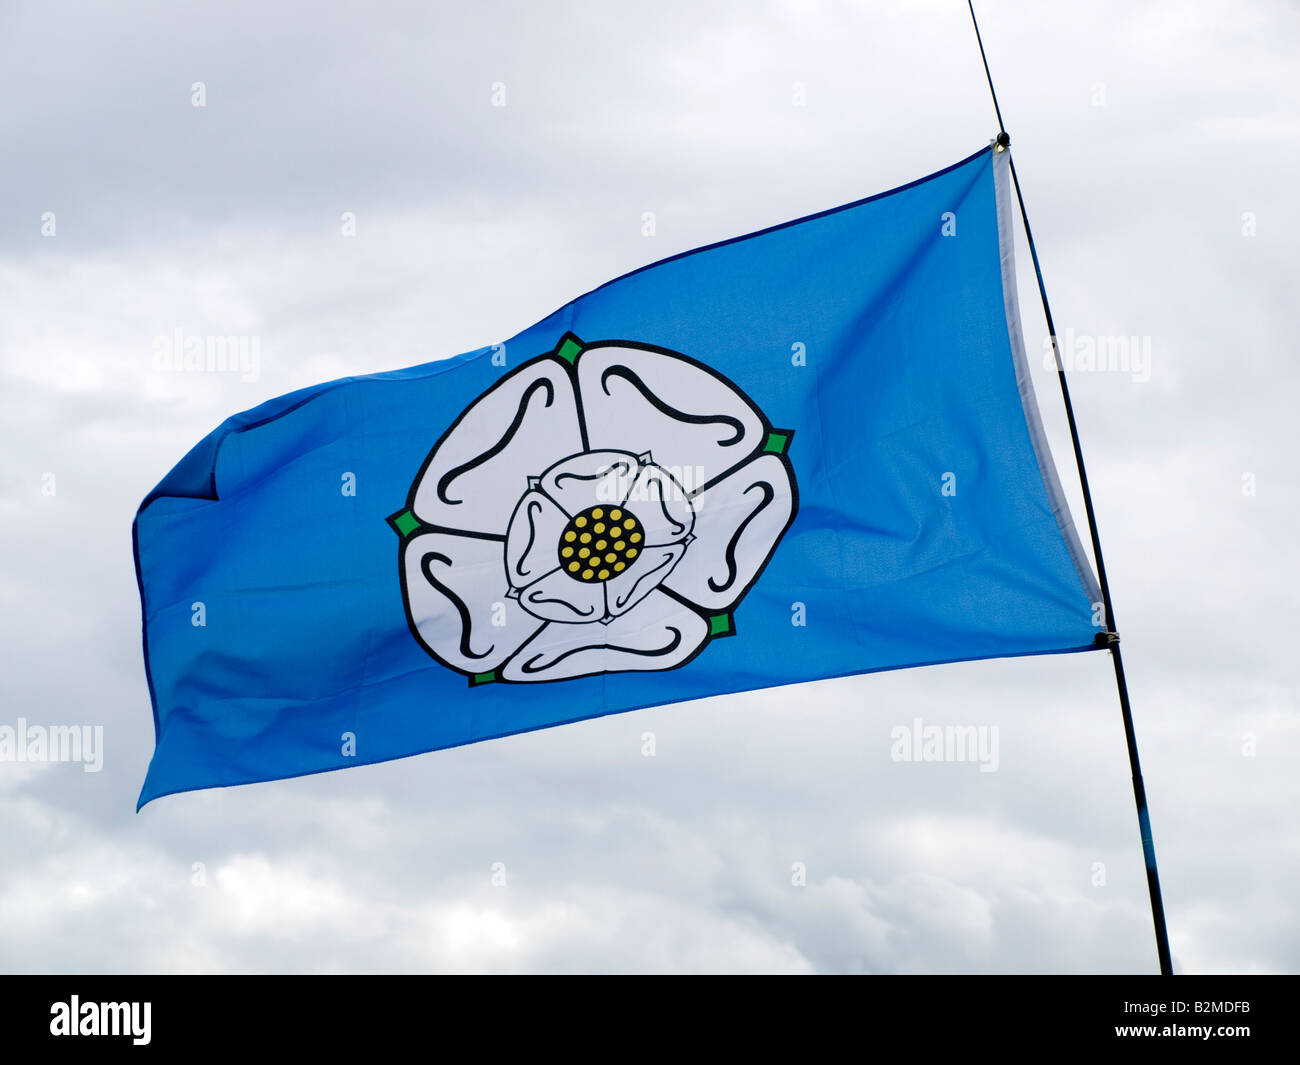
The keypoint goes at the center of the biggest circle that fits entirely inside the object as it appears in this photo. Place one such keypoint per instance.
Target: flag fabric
(808, 452)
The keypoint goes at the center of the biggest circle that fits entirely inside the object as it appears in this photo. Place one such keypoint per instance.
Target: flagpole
(1110, 638)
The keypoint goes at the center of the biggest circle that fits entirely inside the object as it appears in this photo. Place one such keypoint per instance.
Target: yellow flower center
(609, 554)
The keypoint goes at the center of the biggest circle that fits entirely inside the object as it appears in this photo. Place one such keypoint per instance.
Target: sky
(496, 160)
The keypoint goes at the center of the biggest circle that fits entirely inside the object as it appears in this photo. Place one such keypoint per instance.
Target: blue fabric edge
(143, 802)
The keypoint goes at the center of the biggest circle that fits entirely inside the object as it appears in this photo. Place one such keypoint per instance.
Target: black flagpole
(1110, 638)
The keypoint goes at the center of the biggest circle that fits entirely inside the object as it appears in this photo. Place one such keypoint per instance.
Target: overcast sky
(1158, 145)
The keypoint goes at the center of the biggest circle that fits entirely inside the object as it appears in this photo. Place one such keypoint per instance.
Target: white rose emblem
(601, 509)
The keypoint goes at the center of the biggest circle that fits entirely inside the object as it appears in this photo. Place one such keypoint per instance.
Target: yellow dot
(610, 557)
(635, 538)
(620, 545)
(604, 575)
(630, 523)
(573, 567)
(598, 513)
(599, 526)
(566, 552)
(579, 522)
(585, 538)
(600, 545)
(570, 535)
(631, 552)
(614, 515)
(619, 567)
(586, 574)
(583, 552)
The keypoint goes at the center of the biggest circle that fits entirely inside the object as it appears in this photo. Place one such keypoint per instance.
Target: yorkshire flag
(808, 452)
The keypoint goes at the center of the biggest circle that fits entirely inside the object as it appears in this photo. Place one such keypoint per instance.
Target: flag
(808, 452)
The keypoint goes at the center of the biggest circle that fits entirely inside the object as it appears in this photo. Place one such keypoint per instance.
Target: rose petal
(642, 577)
(559, 597)
(589, 479)
(479, 469)
(660, 504)
(533, 539)
(455, 591)
(738, 522)
(692, 421)
(659, 633)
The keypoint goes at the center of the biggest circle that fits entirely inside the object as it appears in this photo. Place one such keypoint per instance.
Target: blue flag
(808, 452)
